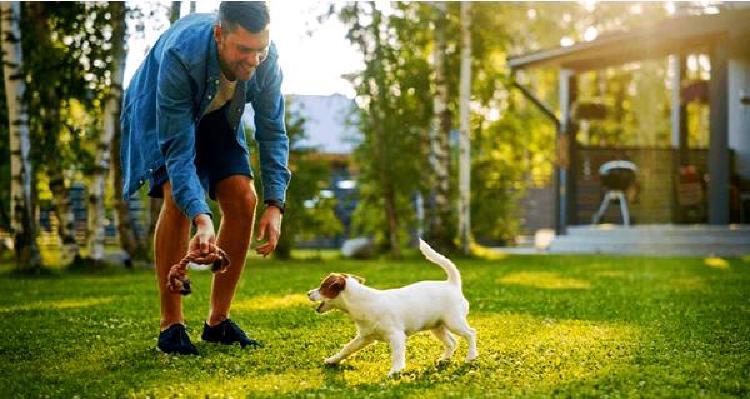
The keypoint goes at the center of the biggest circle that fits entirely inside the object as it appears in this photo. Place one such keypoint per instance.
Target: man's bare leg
(170, 245)
(237, 198)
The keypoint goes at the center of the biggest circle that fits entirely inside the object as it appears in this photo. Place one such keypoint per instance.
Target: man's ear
(217, 33)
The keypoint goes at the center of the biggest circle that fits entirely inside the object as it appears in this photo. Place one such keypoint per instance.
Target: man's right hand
(204, 234)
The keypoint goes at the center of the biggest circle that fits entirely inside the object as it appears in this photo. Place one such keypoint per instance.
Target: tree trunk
(110, 123)
(22, 215)
(63, 210)
(464, 163)
(381, 145)
(441, 234)
(174, 13)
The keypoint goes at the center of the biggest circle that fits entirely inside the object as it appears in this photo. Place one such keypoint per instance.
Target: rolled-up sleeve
(270, 134)
(176, 132)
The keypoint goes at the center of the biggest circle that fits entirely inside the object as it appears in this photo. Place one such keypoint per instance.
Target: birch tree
(440, 231)
(21, 209)
(111, 121)
(464, 142)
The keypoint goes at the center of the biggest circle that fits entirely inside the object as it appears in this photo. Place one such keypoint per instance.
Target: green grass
(547, 326)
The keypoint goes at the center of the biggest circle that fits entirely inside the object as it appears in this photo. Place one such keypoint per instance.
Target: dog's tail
(454, 277)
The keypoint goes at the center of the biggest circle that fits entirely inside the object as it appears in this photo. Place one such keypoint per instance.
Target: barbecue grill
(616, 177)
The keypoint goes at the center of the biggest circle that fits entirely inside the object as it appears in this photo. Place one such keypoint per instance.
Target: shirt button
(209, 96)
(217, 81)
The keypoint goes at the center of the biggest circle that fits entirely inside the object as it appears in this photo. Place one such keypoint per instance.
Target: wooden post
(718, 149)
(565, 151)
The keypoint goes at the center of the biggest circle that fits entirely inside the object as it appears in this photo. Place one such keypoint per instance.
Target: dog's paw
(394, 374)
(331, 361)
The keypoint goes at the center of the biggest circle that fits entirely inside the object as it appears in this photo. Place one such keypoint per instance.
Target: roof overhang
(684, 34)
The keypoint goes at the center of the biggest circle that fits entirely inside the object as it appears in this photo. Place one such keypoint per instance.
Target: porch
(718, 194)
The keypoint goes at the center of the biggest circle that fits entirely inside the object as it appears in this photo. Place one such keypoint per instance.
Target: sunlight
(548, 352)
(226, 387)
(534, 352)
(59, 304)
(270, 302)
(689, 283)
(487, 253)
(716, 263)
(546, 280)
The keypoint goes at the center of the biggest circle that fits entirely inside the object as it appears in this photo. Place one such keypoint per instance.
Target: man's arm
(270, 134)
(174, 114)
(273, 145)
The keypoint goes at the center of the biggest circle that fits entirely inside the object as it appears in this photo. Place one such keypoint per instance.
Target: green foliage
(68, 50)
(393, 93)
(548, 326)
(512, 142)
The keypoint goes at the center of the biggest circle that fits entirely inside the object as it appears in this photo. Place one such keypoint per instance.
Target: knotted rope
(177, 280)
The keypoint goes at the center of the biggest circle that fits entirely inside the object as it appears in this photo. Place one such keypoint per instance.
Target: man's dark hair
(251, 15)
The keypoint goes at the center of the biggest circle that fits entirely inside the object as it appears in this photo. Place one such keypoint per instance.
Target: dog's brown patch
(332, 285)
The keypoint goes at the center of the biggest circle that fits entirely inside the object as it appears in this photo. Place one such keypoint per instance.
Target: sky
(312, 55)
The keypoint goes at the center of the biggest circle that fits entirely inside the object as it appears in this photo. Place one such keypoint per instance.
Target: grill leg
(624, 208)
(602, 208)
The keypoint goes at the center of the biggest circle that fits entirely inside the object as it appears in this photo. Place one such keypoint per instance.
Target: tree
(111, 123)
(464, 140)
(307, 213)
(67, 69)
(440, 231)
(22, 217)
(395, 110)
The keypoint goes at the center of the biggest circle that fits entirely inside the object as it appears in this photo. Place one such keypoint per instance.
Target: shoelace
(177, 280)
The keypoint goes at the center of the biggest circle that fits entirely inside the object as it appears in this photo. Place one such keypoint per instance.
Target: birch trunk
(110, 123)
(440, 231)
(464, 147)
(22, 216)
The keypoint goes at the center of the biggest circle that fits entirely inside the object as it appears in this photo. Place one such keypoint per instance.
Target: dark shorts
(218, 155)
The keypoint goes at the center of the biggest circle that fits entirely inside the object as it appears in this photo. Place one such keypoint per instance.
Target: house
(725, 184)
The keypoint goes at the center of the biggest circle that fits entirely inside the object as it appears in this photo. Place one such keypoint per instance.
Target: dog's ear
(358, 278)
(332, 286)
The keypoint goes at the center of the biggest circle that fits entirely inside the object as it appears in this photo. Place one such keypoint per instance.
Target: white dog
(392, 315)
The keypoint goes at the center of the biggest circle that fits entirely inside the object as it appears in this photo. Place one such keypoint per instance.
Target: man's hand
(204, 234)
(269, 227)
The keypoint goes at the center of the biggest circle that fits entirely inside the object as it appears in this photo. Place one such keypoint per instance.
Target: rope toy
(177, 281)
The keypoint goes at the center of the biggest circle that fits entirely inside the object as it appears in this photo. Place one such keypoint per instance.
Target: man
(181, 131)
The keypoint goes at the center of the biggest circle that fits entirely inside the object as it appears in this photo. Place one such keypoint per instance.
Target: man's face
(240, 51)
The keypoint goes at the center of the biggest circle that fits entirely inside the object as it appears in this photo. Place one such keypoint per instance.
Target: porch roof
(670, 36)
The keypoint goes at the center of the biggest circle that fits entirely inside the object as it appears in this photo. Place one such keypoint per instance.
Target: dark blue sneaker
(227, 332)
(175, 340)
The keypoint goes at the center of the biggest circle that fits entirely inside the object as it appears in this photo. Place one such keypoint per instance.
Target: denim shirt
(166, 99)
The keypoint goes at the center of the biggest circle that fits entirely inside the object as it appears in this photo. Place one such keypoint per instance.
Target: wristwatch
(275, 203)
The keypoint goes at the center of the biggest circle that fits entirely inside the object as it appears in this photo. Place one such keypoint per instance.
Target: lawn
(547, 326)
